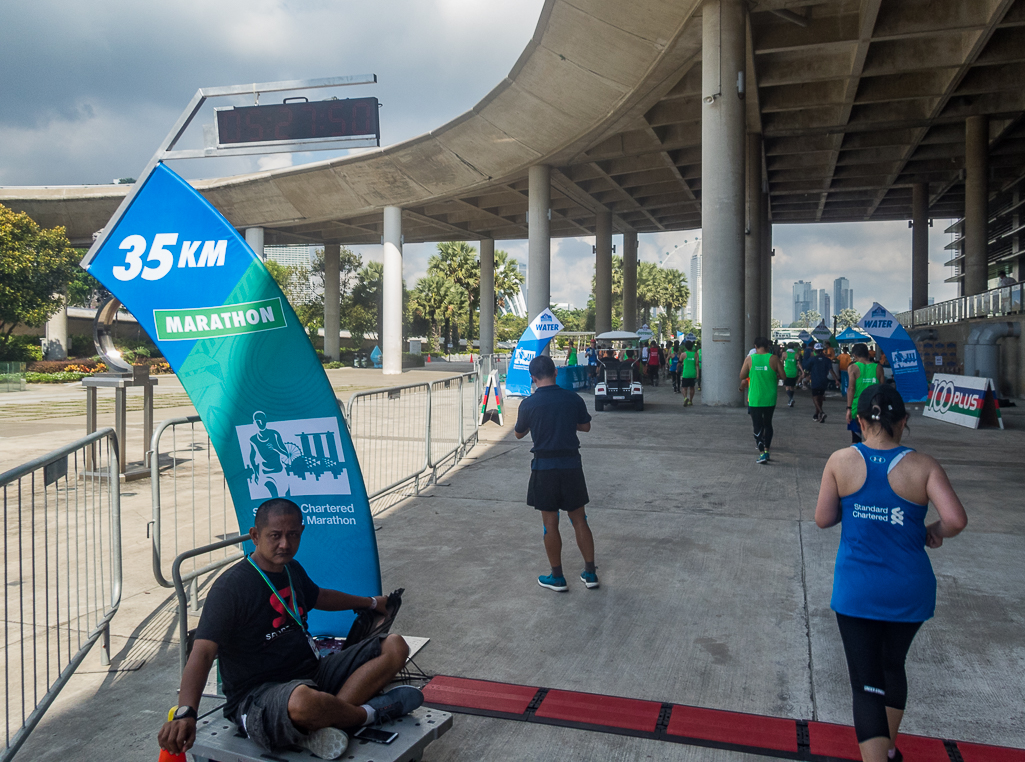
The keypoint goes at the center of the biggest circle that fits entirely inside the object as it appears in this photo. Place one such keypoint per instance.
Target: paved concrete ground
(715, 589)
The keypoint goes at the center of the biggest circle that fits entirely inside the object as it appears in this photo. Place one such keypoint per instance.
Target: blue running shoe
(558, 584)
(396, 703)
(590, 579)
(763, 457)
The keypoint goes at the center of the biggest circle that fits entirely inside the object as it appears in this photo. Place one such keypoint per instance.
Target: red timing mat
(479, 694)
(974, 752)
(592, 709)
(733, 728)
(773, 736)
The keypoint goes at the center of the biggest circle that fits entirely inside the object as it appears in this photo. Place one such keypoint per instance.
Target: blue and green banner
(532, 343)
(208, 302)
(900, 350)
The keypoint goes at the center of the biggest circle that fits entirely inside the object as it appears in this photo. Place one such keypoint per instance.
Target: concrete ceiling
(856, 99)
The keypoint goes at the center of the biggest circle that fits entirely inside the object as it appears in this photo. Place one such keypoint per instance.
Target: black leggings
(761, 419)
(875, 660)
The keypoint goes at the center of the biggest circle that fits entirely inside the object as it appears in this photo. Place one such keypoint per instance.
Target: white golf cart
(618, 358)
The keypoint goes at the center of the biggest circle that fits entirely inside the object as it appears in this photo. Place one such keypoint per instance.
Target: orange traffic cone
(471, 358)
(428, 358)
(165, 755)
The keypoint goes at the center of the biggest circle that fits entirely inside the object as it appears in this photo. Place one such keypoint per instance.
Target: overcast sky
(89, 89)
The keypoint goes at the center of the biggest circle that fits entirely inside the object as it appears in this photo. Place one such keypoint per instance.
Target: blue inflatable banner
(226, 329)
(900, 350)
(532, 343)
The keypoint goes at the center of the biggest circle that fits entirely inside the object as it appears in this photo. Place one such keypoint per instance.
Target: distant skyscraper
(823, 306)
(843, 295)
(294, 256)
(804, 299)
(694, 305)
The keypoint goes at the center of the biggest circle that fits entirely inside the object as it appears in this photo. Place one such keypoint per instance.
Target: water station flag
(533, 341)
(900, 350)
(226, 329)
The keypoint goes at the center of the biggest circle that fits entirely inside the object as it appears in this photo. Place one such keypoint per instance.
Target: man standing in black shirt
(553, 416)
(279, 690)
(819, 368)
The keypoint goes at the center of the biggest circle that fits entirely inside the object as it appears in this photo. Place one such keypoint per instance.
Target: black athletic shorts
(788, 381)
(687, 383)
(263, 712)
(557, 489)
(818, 392)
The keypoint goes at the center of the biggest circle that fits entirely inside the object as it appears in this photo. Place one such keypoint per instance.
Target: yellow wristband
(170, 714)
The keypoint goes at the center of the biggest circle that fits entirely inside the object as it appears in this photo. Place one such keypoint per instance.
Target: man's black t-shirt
(257, 640)
(818, 368)
(552, 414)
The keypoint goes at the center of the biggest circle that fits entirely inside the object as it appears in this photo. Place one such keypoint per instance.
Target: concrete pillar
(539, 244)
(630, 281)
(487, 296)
(976, 204)
(766, 265)
(722, 201)
(391, 304)
(754, 255)
(919, 246)
(57, 336)
(254, 237)
(603, 272)
(332, 301)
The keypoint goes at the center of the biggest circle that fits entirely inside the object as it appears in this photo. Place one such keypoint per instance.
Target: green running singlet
(866, 378)
(762, 382)
(790, 364)
(689, 366)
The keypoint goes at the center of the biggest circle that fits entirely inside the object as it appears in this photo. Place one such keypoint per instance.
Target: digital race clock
(299, 120)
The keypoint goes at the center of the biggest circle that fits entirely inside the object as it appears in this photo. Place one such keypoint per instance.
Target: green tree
(847, 318)
(362, 311)
(36, 266)
(430, 301)
(457, 261)
(808, 319)
(775, 324)
(84, 290)
(509, 327)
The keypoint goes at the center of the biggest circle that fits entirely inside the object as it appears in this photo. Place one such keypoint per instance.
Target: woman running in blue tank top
(883, 584)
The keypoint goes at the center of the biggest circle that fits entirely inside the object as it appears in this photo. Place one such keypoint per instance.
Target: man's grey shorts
(263, 713)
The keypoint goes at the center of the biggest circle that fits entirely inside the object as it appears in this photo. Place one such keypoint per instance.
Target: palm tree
(432, 299)
(457, 261)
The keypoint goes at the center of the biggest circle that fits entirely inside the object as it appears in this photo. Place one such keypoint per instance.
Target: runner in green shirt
(688, 372)
(862, 373)
(792, 369)
(762, 372)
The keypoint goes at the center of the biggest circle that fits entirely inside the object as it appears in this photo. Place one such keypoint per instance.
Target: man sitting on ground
(280, 691)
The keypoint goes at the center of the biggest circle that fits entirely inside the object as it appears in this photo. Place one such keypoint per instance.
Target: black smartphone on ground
(376, 735)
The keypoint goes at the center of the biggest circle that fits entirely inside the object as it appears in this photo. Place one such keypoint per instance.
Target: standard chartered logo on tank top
(879, 513)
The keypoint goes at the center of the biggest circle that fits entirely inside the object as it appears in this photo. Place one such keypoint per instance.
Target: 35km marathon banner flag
(533, 341)
(900, 350)
(226, 329)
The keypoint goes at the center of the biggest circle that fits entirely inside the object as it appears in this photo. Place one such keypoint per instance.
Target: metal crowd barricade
(191, 504)
(399, 434)
(390, 429)
(62, 573)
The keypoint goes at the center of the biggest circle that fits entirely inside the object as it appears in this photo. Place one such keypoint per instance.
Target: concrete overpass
(625, 117)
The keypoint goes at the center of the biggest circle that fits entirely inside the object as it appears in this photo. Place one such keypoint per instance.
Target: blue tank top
(882, 570)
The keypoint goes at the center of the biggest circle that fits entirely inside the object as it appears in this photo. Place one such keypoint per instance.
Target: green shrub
(62, 377)
(333, 365)
(21, 349)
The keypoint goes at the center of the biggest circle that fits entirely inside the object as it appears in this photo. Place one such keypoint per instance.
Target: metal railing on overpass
(62, 573)
(998, 302)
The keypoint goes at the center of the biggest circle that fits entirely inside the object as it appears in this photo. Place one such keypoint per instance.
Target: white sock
(371, 714)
